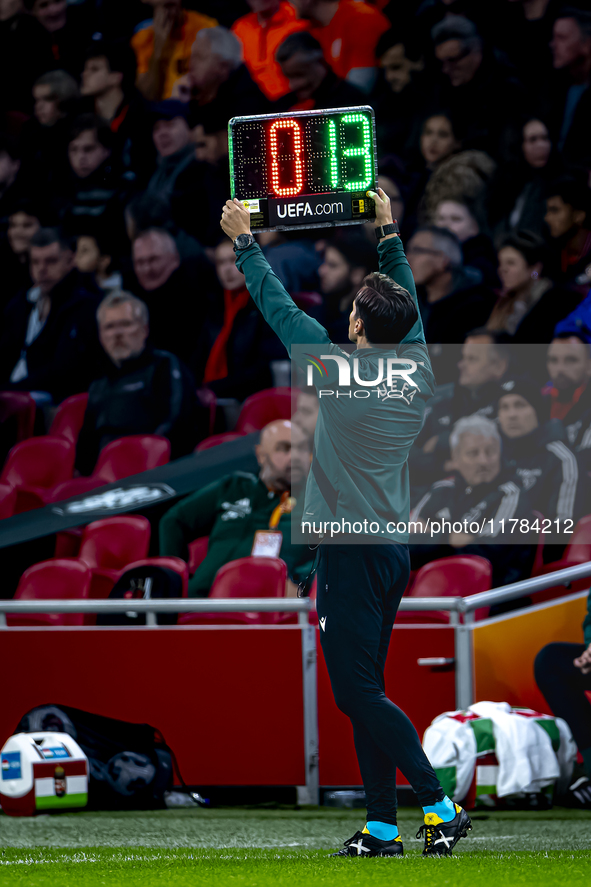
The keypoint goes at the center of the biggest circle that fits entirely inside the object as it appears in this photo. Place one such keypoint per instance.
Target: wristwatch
(384, 230)
(242, 241)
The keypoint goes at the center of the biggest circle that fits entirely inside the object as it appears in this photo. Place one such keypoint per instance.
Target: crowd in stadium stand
(116, 281)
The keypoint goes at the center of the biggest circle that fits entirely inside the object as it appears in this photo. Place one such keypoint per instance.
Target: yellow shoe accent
(458, 809)
(433, 819)
(366, 831)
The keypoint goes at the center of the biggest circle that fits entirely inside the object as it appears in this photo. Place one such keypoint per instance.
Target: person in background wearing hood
(536, 451)
(452, 297)
(144, 391)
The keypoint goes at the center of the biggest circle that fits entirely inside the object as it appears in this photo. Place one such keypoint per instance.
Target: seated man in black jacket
(144, 391)
(48, 339)
(536, 450)
(476, 509)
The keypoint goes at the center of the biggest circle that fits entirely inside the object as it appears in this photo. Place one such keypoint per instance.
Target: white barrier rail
(302, 606)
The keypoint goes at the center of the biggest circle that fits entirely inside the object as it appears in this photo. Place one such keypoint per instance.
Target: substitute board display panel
(305, 169)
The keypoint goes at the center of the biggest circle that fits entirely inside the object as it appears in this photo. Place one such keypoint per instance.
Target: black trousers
(359, 590)
(564, 685)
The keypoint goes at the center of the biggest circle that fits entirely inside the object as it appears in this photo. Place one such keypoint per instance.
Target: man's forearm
(290, 323)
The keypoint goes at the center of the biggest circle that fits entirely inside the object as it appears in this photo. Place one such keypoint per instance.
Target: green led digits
(334, 163)
(364, 151)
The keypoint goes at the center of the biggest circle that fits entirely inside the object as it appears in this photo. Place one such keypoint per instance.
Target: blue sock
(445, 809)
(385, 831)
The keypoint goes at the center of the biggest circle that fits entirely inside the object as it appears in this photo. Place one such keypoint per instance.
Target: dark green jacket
(359, 475)
(229, 511)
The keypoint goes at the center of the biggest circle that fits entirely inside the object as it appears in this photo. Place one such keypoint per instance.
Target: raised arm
(293, 326)
(394, 263)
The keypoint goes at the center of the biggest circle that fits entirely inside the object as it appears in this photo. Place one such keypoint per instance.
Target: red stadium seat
(109, 545)
(52, 580)
(197, 552)
(7, 501)
(246, 577)
(67, 542)
(131, 455)
(69, 417)
(216, 439)
(21, 405)
(457, 576)
(35, 466)
(119, 459)
(578, 551)
(263, 407)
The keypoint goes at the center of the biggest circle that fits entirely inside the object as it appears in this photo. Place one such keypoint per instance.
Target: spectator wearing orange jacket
(261, 32)
(163, 47)
(348, 32)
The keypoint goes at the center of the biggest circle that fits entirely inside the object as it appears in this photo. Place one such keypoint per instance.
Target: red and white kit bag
(41, 772)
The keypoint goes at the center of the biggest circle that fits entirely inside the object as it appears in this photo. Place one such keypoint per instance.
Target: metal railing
(457, 606)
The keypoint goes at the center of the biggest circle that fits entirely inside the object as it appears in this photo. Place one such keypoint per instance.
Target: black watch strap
(384, 230)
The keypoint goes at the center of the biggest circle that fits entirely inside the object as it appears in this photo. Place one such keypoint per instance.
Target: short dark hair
(47, 236)
(499, 340)
(85, 122)
(460, 28)
(530, 245)
(400, 35)
(301, 42)
(355, 248)
(29, 207)
(388, 311)
(120, 57)
(572, 191)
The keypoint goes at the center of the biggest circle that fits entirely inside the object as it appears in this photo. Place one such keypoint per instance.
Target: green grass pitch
(284, 847)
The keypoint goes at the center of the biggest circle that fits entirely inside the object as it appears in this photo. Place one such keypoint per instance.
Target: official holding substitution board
(372, 405)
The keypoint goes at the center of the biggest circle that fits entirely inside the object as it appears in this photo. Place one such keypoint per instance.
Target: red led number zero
(294, 189)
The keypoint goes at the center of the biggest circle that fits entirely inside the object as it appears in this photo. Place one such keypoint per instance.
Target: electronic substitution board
(304, 169)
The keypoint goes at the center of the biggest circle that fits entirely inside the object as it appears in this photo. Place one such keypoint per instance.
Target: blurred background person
(23, 223)
(261, 32)
(312, 82)
(142, 391)
(163, 47)
(466, 220)
(529, 306)
(231, 511)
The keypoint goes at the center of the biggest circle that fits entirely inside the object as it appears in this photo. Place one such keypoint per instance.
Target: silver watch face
(243, 240)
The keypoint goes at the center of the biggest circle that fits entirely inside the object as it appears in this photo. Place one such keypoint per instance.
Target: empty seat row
(40, 469)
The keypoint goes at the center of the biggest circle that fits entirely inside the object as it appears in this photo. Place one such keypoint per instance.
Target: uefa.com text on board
(305, 169)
